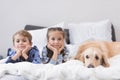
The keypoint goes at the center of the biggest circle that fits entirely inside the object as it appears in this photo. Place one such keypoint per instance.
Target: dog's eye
(87, 56)
(96, 57)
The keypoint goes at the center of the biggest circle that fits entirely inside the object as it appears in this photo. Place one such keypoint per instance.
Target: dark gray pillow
(113, 33)
(1, 57)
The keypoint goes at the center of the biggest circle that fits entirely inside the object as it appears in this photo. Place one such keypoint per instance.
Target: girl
(22, 50)
(55, 51)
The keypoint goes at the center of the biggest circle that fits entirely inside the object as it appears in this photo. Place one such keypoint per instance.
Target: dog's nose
(90, 66)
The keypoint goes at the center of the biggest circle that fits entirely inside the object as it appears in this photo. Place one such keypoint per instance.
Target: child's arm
(55, 52)
(46, 56)
(25, 52)
(13, 55)
(66, 56)
(17, 55)
(48, 59)
(34, 56)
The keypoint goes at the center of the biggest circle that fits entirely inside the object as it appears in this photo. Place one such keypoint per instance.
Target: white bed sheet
(71, 70)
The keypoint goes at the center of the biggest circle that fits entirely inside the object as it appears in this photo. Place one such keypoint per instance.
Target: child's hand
(18, 51)
(17, 55)
(25, 52)
(52, 48)
(55, 51)
(61, 48)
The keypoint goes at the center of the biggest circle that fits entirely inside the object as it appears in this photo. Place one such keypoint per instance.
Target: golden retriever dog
(95, 53)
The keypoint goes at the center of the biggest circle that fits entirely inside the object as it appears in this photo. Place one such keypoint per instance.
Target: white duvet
(71, 70)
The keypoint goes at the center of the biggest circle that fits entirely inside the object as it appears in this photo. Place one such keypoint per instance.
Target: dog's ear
(105, 62)
(82, 58)
(79, 53)
(79, 57)
(81, 49)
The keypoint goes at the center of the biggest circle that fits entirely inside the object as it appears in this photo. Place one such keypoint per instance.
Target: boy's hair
(23, 33)
(55, 29)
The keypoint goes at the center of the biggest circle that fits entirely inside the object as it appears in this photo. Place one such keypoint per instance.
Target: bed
(72, 69)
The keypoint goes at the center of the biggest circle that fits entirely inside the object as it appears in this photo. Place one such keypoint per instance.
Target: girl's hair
(23, 33)
(55, 29)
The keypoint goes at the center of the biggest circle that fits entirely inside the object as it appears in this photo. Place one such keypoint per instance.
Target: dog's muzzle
(90, 66)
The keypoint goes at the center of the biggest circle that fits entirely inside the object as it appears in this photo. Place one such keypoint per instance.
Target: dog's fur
(95, 53)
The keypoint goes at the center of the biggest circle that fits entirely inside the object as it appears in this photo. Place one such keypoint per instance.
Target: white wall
(15, 14)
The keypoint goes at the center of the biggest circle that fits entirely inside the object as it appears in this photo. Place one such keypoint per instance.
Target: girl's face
(56, 39)
(21, 42)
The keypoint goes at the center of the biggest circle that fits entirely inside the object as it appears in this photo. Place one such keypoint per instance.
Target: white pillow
(93, 30)
(72, 48)
(39, 37)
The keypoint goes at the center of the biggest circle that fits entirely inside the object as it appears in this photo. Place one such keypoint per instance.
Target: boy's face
(21, 42)
(56, 39)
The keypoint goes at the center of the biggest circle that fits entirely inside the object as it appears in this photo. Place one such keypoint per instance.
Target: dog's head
(92, 55)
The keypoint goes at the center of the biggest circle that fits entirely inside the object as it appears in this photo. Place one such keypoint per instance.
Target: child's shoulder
(10, 51)
(34, 47)
(66, 49)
